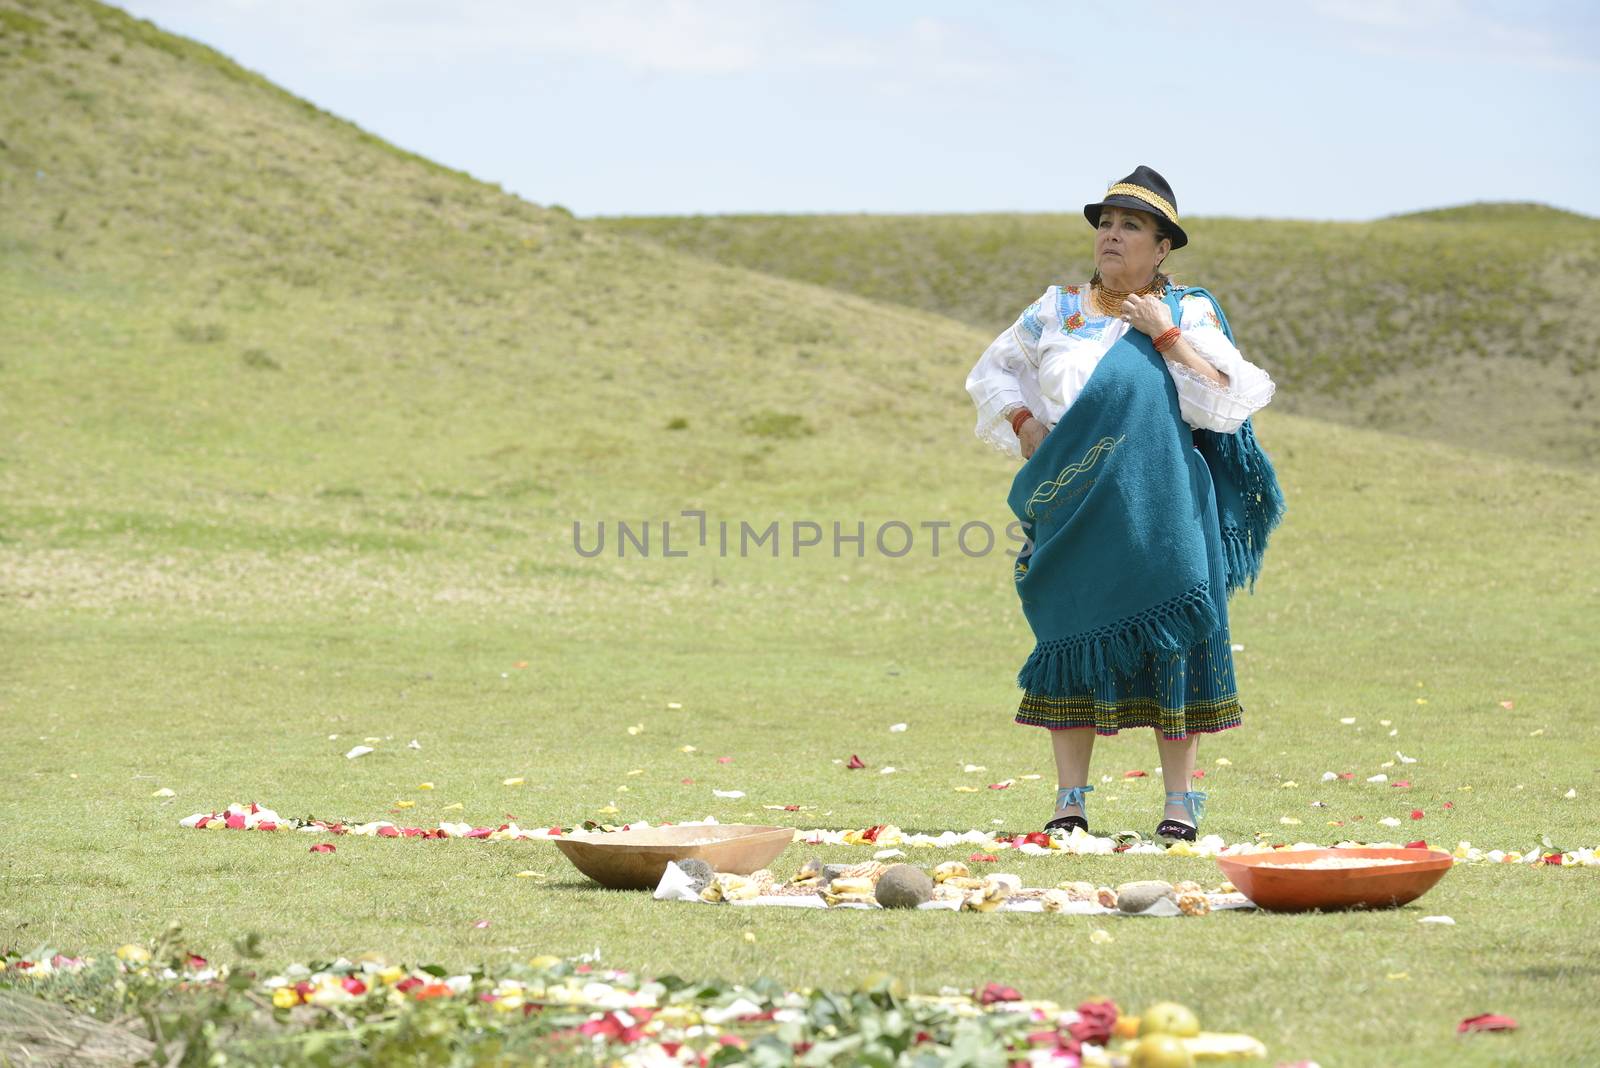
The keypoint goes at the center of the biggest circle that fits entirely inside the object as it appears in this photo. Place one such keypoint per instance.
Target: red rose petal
(234, 821)
(1416, 813)
(982, 858)
(1199, 773)
(1000, 786)
(1487, 1022)
(1418, 844)
(352, 985)
(1347, 775)
(855, 762)
(388, 832)
(1401, 783)
(724, 760)
(1133, 775)
(994, 992)
(322, 847)
(1449, 804)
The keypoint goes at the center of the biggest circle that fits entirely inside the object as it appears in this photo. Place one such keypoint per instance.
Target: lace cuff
(1208, 406)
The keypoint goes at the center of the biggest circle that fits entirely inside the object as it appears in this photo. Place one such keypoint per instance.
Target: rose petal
(322, 847)
(1487, 1022)
(855, 762)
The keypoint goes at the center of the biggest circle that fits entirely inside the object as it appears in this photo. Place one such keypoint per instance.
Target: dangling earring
(1094, 279)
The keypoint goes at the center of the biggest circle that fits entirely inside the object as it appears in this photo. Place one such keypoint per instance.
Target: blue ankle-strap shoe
(1070, 795)
(1194, 803)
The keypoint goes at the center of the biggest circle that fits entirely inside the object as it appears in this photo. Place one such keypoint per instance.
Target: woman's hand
(1032, 434)
(1147, 314)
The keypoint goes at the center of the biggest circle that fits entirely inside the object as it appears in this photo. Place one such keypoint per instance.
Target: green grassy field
(297, 428)
(1466, 325)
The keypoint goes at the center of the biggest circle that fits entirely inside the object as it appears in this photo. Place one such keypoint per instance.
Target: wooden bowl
(635, 860)
(1262, 879)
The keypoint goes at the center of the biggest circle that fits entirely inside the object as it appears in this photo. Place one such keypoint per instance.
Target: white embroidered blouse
(1044, 359)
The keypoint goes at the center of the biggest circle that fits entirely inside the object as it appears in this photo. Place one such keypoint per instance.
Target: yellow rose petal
(512, 782)
(452, 808)
(405, 804)
(425, 786)
(636, 771)
(1100, 936)
(285, 997)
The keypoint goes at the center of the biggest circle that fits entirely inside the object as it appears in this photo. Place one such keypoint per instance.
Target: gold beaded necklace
(1108, 301)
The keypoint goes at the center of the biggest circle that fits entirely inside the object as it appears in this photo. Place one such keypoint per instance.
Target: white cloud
(697, 37)
(1451, 30)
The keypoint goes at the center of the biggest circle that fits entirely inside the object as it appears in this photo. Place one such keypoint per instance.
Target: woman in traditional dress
(1144, 495)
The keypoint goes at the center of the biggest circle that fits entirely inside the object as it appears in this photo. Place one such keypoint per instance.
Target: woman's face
(1126, 249)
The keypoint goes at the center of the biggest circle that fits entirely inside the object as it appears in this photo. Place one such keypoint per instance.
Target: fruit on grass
(1169, 1018)
(1161, 1051)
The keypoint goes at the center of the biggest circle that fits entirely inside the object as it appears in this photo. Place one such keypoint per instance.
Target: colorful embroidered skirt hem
(1177, 694)
(1084, 712)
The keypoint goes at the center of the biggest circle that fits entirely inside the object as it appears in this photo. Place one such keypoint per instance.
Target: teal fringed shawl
(1114, 504)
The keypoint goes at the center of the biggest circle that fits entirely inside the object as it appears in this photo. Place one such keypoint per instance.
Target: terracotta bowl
(1262, 879)
(635, 860)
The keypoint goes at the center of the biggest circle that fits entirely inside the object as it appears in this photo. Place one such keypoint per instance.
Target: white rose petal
(358, 751)
(897, 728)
(729, 793)
(1379, 778)
(1443, 921)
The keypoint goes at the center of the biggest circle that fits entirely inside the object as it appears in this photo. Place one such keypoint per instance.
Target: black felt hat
(1143, 190)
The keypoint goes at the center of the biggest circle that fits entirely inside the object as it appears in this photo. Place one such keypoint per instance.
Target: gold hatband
(1141, 193)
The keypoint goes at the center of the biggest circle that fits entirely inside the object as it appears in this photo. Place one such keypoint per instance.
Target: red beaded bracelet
(1018, 417)
(1167, 339)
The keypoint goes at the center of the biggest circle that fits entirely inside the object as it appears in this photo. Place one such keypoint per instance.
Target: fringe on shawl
(1064, 666)
(1244, 538)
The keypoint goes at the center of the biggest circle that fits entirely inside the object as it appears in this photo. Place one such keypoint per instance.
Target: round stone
(699, 872)
(1138, 896)
(904, 886)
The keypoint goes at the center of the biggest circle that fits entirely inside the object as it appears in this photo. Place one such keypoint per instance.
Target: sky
(1310, 109)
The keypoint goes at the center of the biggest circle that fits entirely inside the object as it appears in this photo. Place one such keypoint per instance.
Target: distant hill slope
(1474, 325)
(204, 278)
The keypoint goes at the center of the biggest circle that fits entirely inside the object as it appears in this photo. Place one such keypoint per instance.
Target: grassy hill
(1470, 325)
(295, 431)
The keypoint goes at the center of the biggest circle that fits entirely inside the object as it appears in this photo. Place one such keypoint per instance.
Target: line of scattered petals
(255, 817)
